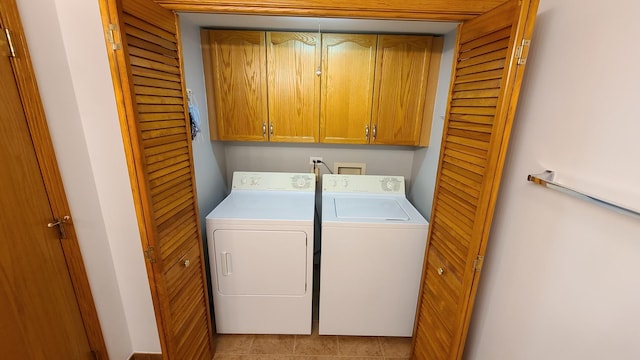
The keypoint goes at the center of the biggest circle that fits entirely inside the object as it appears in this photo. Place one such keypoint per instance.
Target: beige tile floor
(314, 346)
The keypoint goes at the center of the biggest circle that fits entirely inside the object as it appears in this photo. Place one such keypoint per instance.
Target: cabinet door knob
(264, 128)
(375, 131)
(271, 129)
(366, 131)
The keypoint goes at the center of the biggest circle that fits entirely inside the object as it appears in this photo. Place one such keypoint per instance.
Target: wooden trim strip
(37, 123)
(452, 10)
(145, 356)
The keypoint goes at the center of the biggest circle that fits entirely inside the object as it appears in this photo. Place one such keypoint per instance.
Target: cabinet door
(293, 86)
(239, 83)
(148, 78)
(402, 71)
(347, 84)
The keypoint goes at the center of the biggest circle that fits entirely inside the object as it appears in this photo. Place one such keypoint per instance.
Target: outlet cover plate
(316, 158)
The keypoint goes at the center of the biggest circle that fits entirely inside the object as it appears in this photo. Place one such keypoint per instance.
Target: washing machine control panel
(273, 181)
(372, 184)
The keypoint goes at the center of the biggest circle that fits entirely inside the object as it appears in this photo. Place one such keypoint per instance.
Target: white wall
(560, 279)
(425, 160)
(67, 48)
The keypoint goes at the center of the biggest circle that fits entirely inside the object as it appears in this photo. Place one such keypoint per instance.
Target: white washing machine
(260, 242)
(373, 244)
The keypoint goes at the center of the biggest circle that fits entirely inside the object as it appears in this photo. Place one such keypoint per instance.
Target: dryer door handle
(226, 263)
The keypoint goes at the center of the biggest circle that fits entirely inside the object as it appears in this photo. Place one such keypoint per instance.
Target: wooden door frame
(36, 121)
(433, 10)
(436, 10)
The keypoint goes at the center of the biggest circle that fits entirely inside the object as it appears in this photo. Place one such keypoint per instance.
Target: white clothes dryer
(373, 244)
(260, 242)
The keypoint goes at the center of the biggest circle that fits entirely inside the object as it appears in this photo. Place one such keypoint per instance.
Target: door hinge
(111, 35)
(149, 255)
(8, 40)
(477, 263)
(522, 52)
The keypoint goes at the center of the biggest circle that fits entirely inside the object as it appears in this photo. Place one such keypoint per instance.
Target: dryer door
(251, 262)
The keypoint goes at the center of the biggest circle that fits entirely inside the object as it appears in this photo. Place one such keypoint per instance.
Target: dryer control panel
(273, 181)
(369, 184)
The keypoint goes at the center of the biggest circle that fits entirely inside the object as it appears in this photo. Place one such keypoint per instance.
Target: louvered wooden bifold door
(158, 146)
(482, 102)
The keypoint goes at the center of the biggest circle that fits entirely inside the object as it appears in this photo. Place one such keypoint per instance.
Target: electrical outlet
(314, 158)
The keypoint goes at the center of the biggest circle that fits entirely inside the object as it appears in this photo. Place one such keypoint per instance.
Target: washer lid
(369, 208)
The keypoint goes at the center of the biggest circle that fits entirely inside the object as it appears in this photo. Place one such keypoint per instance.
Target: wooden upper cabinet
(239, 77)
(402, 74)
(348, 66)
(341, 88)
(293, 86)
